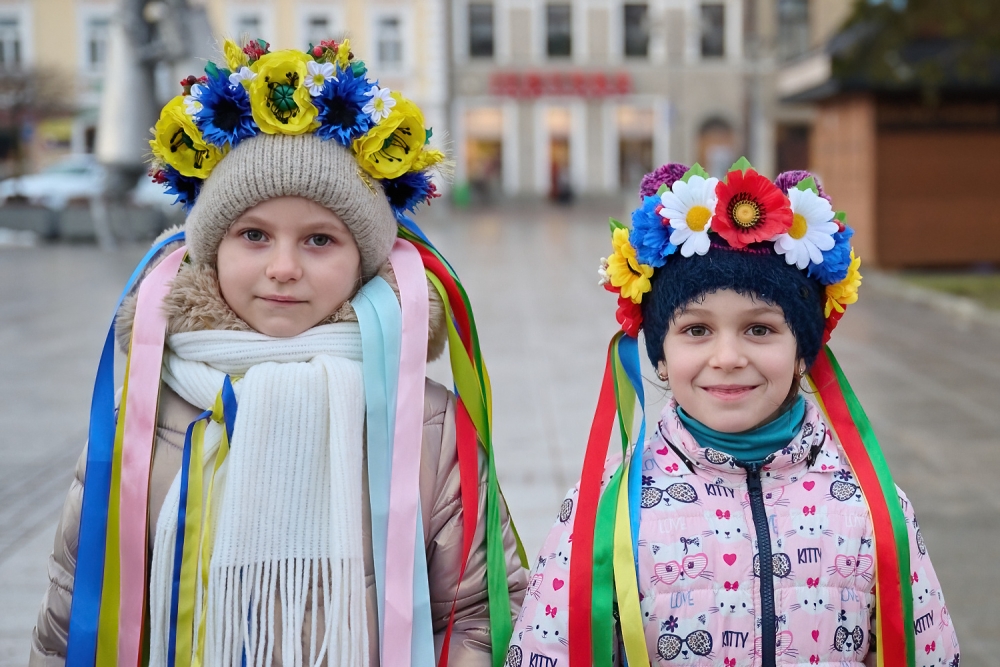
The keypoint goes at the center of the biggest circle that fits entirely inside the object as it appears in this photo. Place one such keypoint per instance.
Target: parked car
(76, 176)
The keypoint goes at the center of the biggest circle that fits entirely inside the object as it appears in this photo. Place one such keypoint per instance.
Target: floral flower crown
(323, 90)
(745, 212)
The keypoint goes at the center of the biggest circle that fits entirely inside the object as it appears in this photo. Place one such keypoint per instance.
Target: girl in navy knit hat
(757, 526)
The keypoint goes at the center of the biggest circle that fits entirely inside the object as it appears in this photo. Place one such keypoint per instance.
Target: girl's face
(287, 264)
(731, 360)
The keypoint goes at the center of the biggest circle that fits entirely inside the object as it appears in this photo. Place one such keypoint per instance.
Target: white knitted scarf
(288, 532)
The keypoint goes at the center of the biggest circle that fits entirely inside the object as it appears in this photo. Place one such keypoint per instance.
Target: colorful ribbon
(81, 647)
(894, 596)
(408, 637)
(380, 320)
(149, 329)
(474, 400)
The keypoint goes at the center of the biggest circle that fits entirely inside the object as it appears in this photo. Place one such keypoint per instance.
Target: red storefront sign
(552, 84)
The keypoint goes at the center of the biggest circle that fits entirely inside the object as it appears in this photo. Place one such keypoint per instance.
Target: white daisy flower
(380, 105)
(245, 74)
(602, 272)
(191, 104)
(317, 74)
(811, 232)
(690, 208)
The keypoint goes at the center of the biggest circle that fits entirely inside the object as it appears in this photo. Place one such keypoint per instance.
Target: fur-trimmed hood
(196, 304)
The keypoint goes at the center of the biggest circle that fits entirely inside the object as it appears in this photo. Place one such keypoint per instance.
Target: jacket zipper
(768, 626)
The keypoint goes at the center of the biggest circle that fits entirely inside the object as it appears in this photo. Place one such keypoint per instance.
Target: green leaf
(358, 68)
(614, 224)
(807, 184)
(742, 165)
(841, 216)
(212, 69)
(660, 190)
(430, 133)
(695, 170)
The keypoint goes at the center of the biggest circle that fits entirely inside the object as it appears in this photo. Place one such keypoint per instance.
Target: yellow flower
(391, 148)
(844, 293)
(624, 269)
(178, 142)
(279, 99)
(235, 58)
(343, 55)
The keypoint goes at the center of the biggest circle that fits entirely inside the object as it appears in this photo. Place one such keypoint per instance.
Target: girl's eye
(759, 330)
(321, 240)
(253, 235)
(697, 331)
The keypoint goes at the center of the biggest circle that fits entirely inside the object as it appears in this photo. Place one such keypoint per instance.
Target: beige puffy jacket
(441, 506)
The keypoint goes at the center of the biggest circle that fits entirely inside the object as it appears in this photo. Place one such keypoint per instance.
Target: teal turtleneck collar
(750, 446)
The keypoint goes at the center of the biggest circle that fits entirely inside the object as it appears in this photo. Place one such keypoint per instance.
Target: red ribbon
(581, 566)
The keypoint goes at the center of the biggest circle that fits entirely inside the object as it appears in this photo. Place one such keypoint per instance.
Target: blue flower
(650, 234)
(836, 260)
(225, 116)
(185, 187)
(408, 191)
(340, 108)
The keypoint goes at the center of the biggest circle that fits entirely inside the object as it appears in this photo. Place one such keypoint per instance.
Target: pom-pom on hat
(778, 241)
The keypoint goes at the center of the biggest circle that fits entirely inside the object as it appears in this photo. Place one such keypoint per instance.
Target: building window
(713, 30)
(96, 40)
(389, 40)
(637, 31)
(10, 42)
(318, 29)
(793, 28)
(481, 29)
(559, 30)
(248, 26)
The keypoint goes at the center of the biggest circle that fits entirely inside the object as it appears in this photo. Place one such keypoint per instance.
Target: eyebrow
(761, 310)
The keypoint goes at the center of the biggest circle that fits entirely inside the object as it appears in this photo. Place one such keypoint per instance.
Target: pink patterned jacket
(705, 597)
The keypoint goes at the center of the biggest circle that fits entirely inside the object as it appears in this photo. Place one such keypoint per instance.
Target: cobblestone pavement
(929, 385)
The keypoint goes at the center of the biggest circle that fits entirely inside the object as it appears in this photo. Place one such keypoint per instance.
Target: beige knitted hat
(277, 165)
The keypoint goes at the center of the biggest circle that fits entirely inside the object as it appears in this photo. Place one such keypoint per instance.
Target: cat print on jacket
(699, 569)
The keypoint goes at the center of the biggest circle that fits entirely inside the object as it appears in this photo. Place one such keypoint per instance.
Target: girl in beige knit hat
(279, 483)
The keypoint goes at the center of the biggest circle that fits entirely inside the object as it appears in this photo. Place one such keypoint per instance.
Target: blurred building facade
(52, 56)
(588, 95)
(533, 97)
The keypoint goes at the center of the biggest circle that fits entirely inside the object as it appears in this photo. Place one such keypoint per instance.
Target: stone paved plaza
(930, 385)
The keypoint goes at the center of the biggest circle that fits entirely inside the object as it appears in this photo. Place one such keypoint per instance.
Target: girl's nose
(728, 353)
(284, 265)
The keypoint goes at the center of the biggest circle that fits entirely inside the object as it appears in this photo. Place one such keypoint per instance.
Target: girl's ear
(661, 370)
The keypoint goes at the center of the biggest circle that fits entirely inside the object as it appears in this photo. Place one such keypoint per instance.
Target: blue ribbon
(628, 354)
(81, 649)
(229, 407)
(381, 326)
(175, 587)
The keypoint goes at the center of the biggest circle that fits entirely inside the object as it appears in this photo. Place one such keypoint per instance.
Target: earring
(802, 371)
(664, 378)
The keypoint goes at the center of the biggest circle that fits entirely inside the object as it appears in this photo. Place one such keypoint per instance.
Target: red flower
(750, 209)
(629, 315)
(254, 49)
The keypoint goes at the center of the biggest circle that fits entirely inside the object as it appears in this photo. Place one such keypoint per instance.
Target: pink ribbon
(148, 334)
(404, 494)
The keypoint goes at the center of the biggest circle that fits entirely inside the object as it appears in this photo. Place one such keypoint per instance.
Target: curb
(962, 308)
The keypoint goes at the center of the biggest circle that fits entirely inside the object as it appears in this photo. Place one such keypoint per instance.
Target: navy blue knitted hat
(755, 272)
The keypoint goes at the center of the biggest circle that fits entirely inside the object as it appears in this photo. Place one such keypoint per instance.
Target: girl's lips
(729, 392)
(281, 300)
